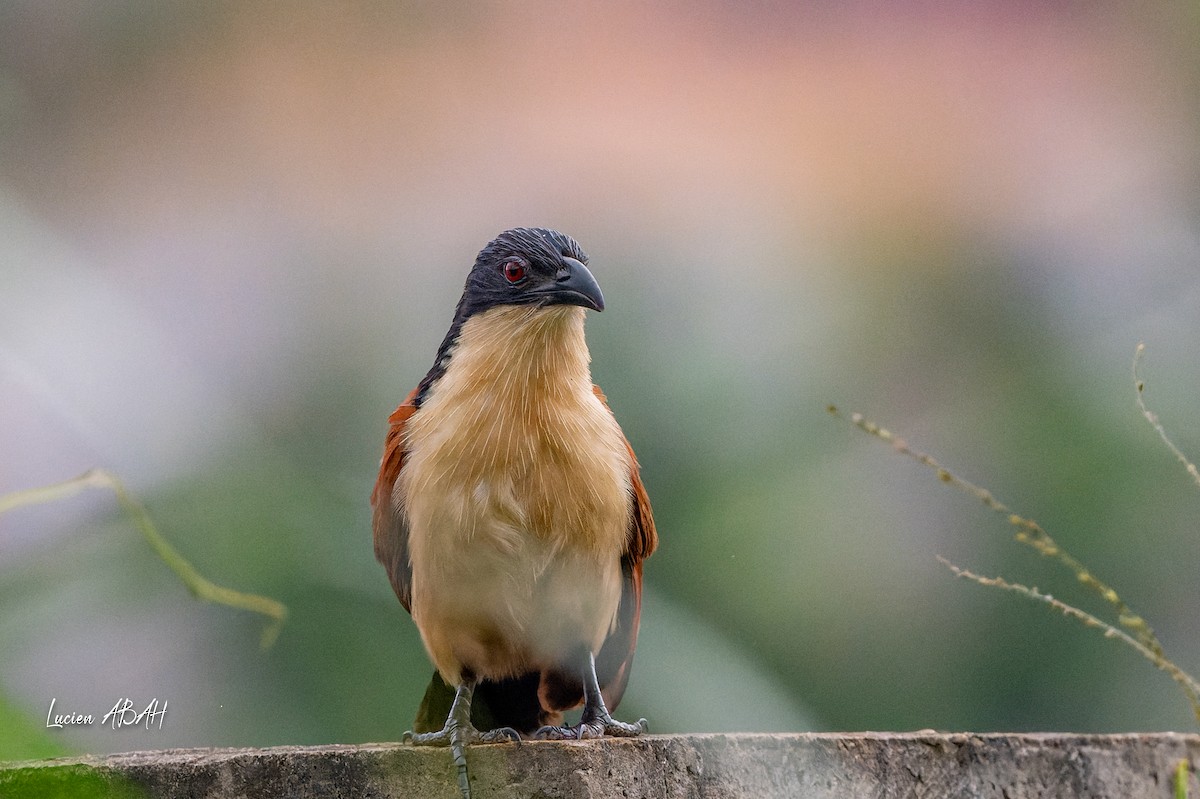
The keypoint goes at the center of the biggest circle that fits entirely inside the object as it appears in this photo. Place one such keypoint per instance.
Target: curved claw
(556, 733)
(499, 735)
(620, 728)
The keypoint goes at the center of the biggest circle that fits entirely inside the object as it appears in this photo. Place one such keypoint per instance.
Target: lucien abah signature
(124, 713)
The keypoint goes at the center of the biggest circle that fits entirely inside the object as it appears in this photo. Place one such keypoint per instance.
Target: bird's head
(530, 266)
(533, 268)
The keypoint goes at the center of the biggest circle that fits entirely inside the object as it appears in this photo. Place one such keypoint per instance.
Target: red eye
(514, 271)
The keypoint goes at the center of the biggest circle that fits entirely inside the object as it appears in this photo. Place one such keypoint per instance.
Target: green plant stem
(1152, 418)
(197, 584)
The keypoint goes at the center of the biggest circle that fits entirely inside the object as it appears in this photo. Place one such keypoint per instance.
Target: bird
(509, 512)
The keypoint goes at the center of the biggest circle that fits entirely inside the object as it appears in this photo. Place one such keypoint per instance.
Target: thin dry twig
(1152, 418)
(1188, 683)
(197, 584)
(1028, 531)
(1032, 534)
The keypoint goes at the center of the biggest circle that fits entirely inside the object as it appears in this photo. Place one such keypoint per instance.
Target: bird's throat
(520, 353)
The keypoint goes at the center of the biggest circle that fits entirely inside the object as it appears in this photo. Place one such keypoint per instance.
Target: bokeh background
(232, 236)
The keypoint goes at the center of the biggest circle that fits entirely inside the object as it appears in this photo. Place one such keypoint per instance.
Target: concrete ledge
(926, 765)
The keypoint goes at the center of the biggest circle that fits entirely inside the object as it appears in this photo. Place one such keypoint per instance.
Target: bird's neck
(519, 352)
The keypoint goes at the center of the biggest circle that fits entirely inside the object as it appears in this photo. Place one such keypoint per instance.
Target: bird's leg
(458, 732)
(596, 721)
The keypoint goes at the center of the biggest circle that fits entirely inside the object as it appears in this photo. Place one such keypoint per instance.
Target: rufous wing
(390, 526)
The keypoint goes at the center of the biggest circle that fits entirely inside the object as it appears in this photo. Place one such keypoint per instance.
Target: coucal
(509, 512)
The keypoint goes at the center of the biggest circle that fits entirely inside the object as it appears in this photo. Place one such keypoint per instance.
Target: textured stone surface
(884, 765)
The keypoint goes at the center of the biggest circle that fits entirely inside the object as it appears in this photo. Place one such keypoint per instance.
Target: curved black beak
(573, 285)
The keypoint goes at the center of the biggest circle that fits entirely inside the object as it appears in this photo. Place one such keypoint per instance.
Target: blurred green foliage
(21, 738)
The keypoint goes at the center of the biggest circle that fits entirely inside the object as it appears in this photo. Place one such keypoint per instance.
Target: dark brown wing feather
(391, 529)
